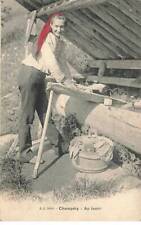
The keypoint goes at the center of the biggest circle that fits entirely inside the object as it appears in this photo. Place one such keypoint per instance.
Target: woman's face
(57, 26)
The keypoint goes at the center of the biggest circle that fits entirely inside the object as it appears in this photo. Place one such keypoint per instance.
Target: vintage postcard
(70, 110)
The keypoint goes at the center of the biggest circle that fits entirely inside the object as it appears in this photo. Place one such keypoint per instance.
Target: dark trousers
(32, 87)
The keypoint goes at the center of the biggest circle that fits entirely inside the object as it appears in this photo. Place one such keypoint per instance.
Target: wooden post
(26, 41)
(30, 25)
(101, 70)
(35, 172)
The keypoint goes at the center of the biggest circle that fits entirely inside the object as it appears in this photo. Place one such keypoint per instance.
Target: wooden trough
(121, 125)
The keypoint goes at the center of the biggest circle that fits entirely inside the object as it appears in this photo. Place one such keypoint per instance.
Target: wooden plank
(96, 54)
(125, 20)
(67, 5)
(127, 82)
(110, 35)
(73, 37)
(99, 51)
(80, 44)
(119, 18)
(117, 44)
(135, 4)
(111, 29)
(31, 21)
(77, 26)
(128, 10)
(81, 94)
(93, 32)
(118, 64)
(44, 133)
(95, 37)
(89, 46)
(121, 29)
(30, 24)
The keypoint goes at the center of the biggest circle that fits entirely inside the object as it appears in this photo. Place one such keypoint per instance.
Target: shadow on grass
(48, 166)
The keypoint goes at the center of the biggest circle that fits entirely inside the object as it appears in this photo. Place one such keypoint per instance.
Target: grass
(84, 189)
(12, 180)
(12, 53)
(131, 162)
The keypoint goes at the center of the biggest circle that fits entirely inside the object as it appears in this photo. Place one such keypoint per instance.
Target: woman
(50, 59)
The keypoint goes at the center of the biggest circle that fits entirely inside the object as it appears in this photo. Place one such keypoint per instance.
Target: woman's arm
(51, 62)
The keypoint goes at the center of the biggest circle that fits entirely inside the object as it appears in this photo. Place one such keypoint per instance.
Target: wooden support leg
(101, 70)
(35, 172)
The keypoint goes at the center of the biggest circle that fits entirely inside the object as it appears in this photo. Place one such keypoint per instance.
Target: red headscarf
(45, 30)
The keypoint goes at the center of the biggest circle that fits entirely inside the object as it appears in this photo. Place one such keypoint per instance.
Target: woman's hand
(69, 82)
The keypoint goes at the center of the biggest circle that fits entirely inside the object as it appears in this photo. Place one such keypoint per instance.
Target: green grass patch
(12, 180)
(84, 189)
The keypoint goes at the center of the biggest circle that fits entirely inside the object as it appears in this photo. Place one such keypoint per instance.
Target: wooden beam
(118, 64)
(128, 10)
(127, 82)
(136, 5)
(100, 36)
(77, 26)
(73, 37)
(111, 36)
(30, 24)
(66, 5)
(101, 12)
(79, 44)
(95, 38)
(125, 21)
(81, 94)
(111, 29)
(72, 33)
(120, 48)
(119, 18)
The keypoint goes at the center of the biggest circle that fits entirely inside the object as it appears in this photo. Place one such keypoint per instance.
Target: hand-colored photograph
(70, 110)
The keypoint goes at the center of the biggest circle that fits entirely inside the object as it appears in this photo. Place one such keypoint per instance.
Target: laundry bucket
(93, 154)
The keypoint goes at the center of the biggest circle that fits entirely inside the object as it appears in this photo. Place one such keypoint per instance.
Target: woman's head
(54, 24)
(57, 24)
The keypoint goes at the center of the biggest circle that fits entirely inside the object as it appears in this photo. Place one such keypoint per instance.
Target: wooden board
(127, 82)
(118, 64)
(81, 94)
(66, 5)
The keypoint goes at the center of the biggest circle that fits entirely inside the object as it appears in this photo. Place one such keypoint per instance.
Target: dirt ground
(53, 174)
